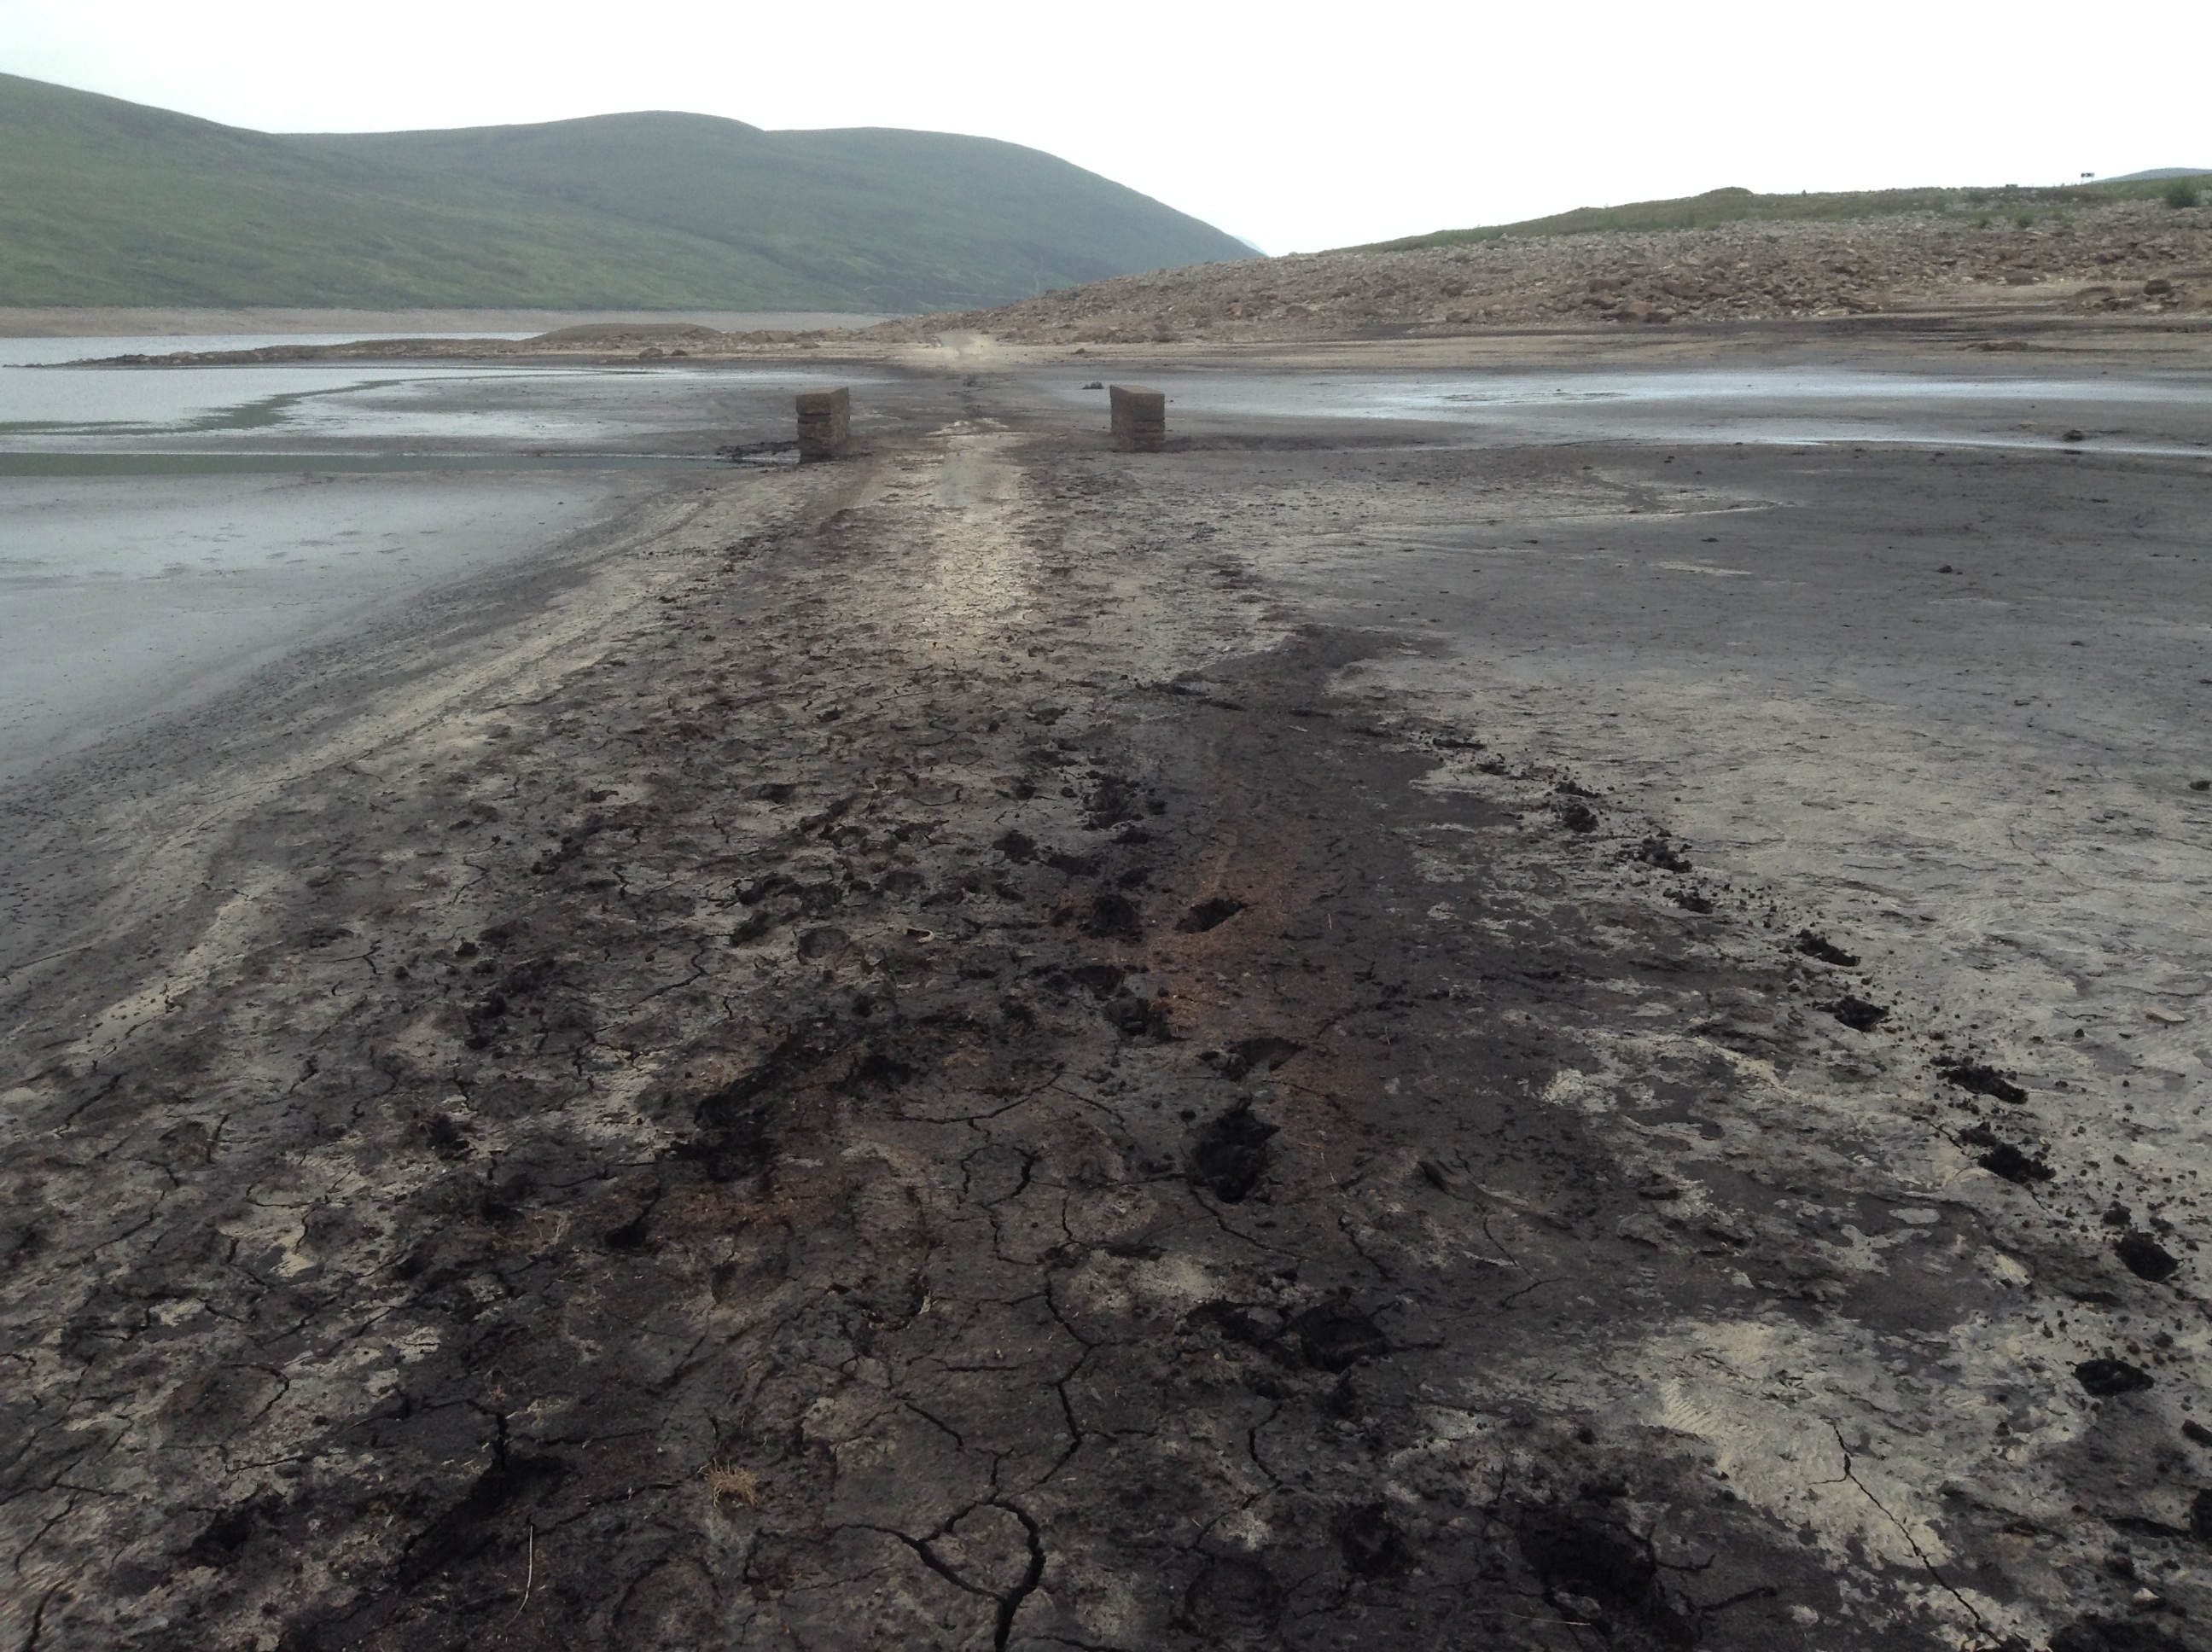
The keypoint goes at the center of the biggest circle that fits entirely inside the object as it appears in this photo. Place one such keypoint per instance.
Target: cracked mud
(932, 1056)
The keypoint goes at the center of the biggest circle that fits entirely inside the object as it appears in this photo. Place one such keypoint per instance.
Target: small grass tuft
(724, 1481)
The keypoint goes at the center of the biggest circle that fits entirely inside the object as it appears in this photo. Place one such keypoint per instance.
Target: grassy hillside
(1728, 206)
(103, 202)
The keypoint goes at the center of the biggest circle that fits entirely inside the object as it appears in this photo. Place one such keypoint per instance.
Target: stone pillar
(825, 424)
(1140, 417)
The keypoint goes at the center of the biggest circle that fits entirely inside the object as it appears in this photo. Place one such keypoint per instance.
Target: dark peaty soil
(889, 1095)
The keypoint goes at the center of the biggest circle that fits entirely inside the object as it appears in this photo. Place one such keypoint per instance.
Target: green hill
(1728, 206)
(108, 202)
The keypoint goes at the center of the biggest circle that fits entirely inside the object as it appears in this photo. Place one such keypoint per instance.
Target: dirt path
(920, 1060)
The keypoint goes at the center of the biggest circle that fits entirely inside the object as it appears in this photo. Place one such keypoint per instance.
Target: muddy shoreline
(61, 321)
(1008, 1045)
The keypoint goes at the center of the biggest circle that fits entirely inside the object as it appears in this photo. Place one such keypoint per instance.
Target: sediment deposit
(1004, 1044)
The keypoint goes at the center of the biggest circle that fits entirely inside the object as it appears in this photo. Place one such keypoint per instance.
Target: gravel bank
(2136, 258)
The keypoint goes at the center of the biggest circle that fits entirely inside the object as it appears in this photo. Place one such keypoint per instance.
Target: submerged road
(1382, 1024)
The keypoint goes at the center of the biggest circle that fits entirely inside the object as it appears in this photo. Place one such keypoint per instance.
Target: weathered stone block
(825, 423)
(1140, 417)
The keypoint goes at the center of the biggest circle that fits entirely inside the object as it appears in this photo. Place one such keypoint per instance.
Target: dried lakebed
(1003, 1045)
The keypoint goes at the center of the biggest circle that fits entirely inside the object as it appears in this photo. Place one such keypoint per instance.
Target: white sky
(1296, 125)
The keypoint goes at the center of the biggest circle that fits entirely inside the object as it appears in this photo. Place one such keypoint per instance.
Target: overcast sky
(1296, 126)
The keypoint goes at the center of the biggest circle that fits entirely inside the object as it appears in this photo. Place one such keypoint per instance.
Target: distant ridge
(1728, 206)
(2158, 174)
(108, 202)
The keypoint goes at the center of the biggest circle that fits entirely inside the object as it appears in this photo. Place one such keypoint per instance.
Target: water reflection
(2162, 413)
(399, 411)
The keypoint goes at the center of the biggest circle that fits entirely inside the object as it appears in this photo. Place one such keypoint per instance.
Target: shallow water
(39, 395)
(392, 413)
(78, 347)
(2151, 414)
(163, 531)
(125, 598)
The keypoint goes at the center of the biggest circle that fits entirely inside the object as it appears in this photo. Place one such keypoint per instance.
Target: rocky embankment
(2137, 258)
(2134, 260)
